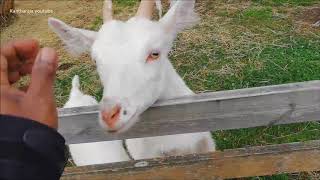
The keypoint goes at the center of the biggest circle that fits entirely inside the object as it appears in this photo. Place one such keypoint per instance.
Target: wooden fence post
(5, 6)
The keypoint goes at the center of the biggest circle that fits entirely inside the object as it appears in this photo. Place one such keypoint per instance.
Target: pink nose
(112, 116)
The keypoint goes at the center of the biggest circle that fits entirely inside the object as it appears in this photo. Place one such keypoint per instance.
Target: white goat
(133, 65)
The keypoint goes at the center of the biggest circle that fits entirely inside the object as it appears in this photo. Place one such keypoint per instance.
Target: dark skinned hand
(20, 58)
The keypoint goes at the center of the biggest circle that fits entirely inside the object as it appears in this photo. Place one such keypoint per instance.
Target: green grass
(267, 135)
(274, 177)
(236, 45)
(286, 2)
(296, 61)
(96, 24)
(257, 14)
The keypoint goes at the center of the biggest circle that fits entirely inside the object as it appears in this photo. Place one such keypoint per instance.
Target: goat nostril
(116, 112)
(111, 117)
(125, 112)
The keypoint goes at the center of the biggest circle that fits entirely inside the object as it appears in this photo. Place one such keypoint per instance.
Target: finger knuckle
(48, 68)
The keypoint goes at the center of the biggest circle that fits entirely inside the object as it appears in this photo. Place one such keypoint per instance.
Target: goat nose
(112, 116)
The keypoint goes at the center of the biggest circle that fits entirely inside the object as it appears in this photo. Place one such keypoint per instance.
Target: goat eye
(153, 56)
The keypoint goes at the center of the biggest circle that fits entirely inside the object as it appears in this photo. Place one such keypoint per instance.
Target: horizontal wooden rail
(244, 108)
(235, 163)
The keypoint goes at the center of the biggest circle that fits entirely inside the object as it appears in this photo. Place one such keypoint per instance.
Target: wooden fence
(5, 6)
(244, 108)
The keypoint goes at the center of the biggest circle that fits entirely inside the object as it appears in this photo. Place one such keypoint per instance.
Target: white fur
(98, 153)
(77, 41)
(120, 50)
(77, 98)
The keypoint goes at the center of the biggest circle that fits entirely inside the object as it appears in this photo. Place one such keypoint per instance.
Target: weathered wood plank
(262, 106)
(235, 163)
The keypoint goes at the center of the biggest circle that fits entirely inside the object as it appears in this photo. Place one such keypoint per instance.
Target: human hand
(19, 58)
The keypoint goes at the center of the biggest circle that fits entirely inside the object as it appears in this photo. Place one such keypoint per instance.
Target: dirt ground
(310, 15)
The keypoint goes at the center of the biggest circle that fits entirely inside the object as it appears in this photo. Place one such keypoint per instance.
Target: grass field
(238, 44)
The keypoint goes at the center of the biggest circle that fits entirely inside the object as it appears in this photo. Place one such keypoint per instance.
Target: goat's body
(98, 153)
(142, 148)
(171, 145)
(77, 98)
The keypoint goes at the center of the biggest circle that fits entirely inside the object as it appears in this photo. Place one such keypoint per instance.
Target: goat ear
(78, 41)
(180, 16)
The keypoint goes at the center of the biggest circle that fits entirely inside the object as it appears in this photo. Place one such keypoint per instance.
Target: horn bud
(107, 11)
(146, 9)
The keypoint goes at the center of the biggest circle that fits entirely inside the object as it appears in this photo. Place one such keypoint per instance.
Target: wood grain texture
(235, 163)
(244, 108)
(5, 6)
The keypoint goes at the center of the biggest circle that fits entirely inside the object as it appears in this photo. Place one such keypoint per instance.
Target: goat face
(131, 58)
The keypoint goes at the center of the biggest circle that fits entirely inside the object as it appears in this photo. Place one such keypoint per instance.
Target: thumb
(43, 73)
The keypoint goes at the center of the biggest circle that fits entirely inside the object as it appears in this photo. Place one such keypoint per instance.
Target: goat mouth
(112, 131)
(125, 126)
